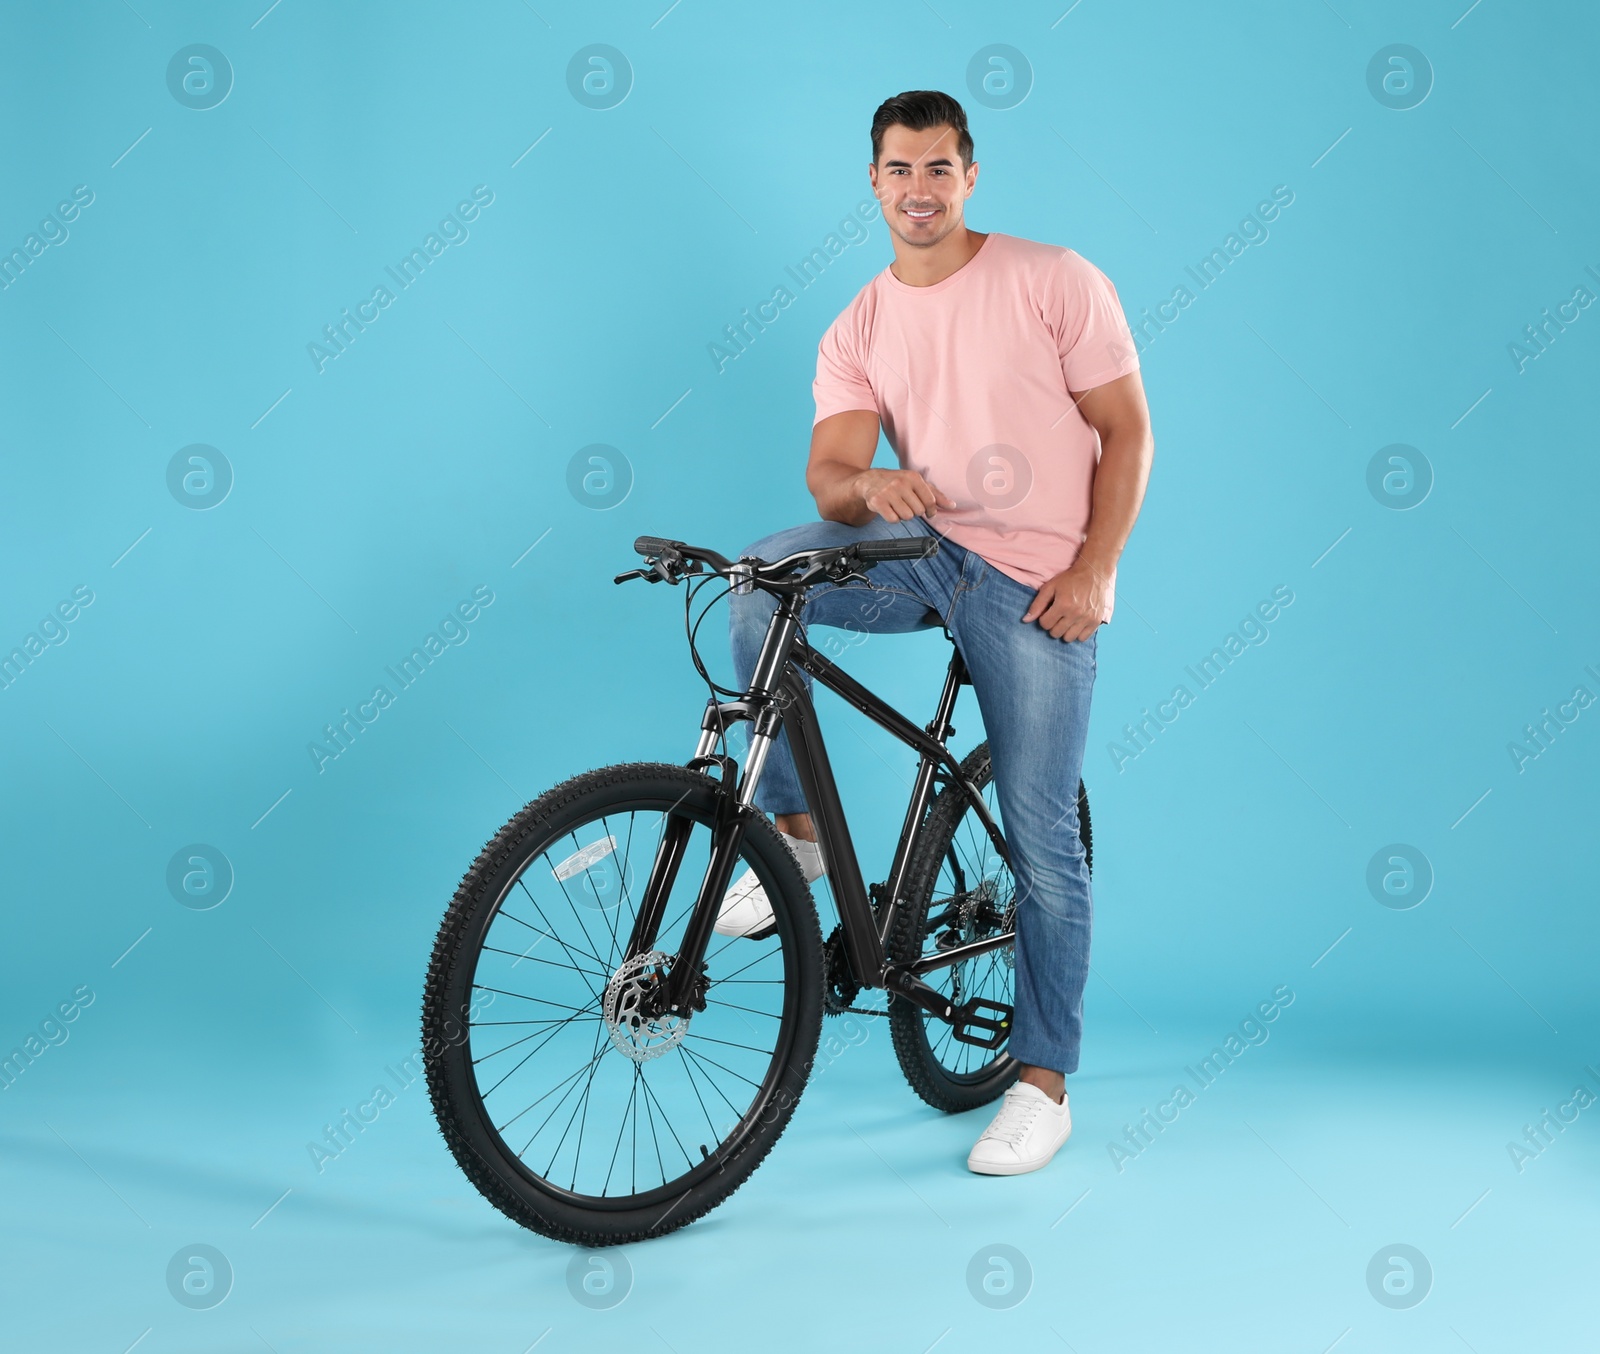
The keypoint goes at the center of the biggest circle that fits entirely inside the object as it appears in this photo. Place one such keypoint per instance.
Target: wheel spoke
(621, 1129)
(523, 996)
(570, 1077)
(701, 1057)
(770, 1015)
(546, 934)
(727, 1043)
(559, 940)
(478, 1062)
(583, 1096)
(528, 958)
(621, 870)
(737, 971)
(688, 1071)
(576, 915)
(655, 1138)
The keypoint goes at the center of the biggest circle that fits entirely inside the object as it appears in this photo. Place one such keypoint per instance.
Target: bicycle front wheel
(574, 1109)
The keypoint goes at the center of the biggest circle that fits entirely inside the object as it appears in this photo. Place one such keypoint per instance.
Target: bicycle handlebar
(657, 545)
(670, 556)
(897, 547)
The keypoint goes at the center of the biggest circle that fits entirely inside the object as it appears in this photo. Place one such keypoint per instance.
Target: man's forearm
(833, 485)
(1119, 484)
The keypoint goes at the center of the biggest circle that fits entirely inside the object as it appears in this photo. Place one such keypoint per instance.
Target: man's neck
(923, 265)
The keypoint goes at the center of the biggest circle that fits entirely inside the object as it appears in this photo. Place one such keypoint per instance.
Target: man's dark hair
(920, 109)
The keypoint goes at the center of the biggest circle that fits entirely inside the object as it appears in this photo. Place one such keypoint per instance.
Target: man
(992, 364)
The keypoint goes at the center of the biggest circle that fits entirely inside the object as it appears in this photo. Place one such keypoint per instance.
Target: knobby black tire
(909, 1025)
(488, 1162)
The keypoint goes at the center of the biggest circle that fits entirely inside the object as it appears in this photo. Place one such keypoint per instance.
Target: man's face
(921, 182)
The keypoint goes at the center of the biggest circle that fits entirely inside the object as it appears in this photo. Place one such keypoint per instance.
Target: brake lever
(843, 569)
(670, 567)
(649, 576)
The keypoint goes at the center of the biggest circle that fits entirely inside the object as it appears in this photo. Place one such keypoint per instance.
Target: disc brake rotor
(636, 1032)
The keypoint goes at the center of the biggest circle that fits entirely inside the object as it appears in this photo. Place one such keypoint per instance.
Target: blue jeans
(1033, 691)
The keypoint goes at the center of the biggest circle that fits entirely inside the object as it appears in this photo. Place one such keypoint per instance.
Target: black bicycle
(605, 1067)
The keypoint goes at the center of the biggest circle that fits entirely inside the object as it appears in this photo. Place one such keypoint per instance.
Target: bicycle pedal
(981, 1031)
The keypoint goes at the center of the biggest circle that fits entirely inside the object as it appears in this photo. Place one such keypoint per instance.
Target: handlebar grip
(897, 547)
(655, 545)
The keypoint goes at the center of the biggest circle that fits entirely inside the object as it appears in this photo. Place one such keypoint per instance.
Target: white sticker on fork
(582, 860)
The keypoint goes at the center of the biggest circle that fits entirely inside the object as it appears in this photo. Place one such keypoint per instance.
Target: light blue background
(432, 457)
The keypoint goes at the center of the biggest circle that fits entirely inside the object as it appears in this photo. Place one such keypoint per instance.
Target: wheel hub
(976, 917)
(630, 1008)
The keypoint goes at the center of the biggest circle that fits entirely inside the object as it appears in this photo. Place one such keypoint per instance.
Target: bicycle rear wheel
(958, 890)
(572, 1108)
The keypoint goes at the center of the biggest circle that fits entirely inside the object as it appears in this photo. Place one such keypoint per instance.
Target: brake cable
(693, 588)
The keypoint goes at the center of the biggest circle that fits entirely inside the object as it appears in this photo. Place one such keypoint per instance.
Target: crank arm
(970, 1024)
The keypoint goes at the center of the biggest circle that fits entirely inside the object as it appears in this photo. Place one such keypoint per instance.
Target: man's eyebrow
(906, 164)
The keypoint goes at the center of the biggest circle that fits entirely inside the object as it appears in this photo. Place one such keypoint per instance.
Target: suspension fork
(734, 810)
(727, 836)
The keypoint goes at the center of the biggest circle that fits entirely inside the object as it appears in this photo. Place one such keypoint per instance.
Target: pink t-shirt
(973, 377)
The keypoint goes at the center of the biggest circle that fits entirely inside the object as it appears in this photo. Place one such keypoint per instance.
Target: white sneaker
(1029, 1130)
(745, 910)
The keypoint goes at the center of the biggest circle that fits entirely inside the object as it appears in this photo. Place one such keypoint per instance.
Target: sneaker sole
(987, 1168)
(1014, 1168)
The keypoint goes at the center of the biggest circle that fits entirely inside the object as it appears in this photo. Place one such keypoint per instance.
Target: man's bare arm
(1081, 598)
(847, 489)
(1118, 412)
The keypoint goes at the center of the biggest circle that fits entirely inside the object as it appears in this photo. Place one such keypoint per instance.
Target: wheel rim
(553, 1081)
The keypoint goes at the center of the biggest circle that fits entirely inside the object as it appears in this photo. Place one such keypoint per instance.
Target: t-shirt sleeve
(1091, 332)
(841, 382)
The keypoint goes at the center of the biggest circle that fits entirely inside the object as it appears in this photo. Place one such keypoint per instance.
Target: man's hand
(1076, 602)
(896, 495)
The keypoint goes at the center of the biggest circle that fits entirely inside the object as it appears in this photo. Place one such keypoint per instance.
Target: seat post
(956, 676)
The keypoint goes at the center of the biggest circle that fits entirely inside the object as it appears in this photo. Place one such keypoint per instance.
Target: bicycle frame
(778, 695)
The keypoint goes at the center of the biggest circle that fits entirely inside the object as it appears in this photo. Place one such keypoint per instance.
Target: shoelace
(1016, 1117)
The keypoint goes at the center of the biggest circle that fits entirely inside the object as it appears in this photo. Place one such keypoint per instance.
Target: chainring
(839, 987)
